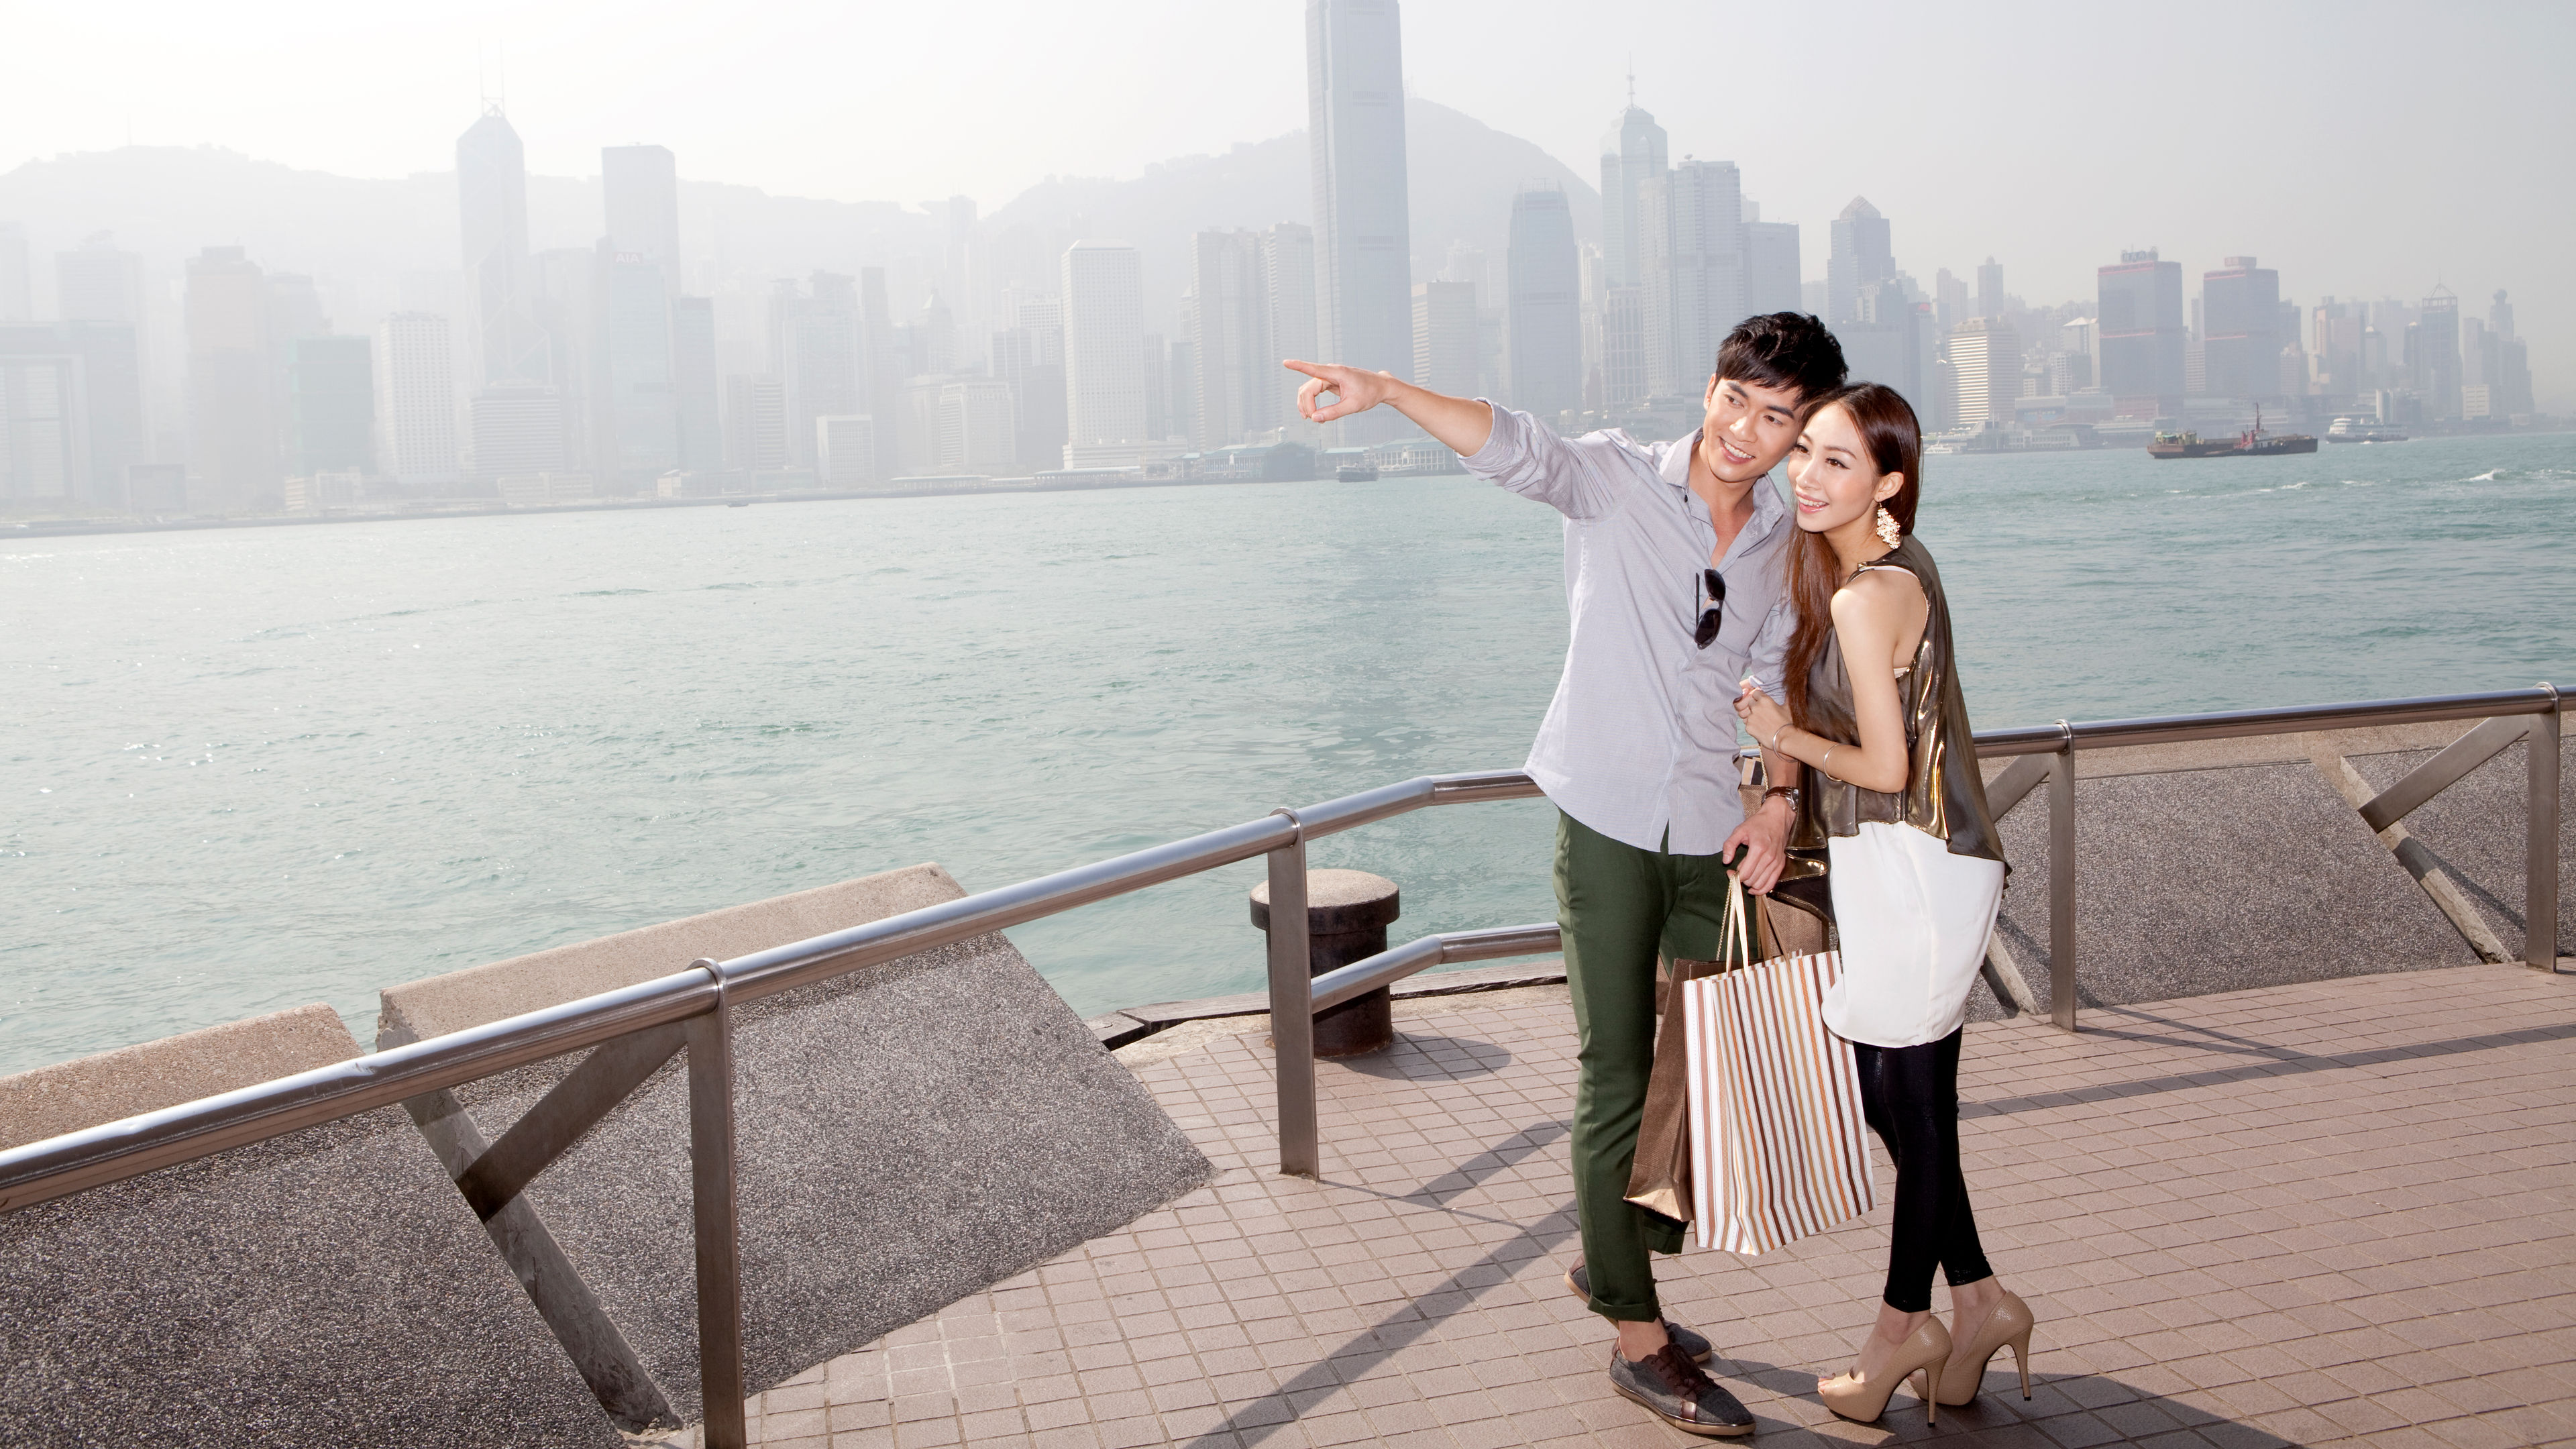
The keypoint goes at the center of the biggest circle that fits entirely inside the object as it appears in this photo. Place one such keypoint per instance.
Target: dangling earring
(1888, 532)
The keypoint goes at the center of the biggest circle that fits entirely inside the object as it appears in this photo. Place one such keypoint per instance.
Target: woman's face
(1831, 475)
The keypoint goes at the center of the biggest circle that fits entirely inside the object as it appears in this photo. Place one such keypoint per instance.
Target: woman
(1893, 798)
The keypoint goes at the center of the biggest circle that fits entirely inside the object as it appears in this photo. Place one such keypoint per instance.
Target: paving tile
(2322, 1213)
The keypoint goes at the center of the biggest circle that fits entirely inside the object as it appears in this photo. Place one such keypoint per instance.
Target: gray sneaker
(1674, 1390)
(1697, 1347)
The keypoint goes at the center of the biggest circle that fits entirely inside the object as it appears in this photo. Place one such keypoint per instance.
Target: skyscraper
(2240, 311)
(17, 296)
(1104, 352)
(1986, 358)
(43, 433)
(1771, 268)
(416, 399)
(2437, 353)
(1623, 346)
(492, 207)
(1632, 154)
(2140, 305)
(756, 428)
(1231, 342)
(1543, 302)
(565, 288)
(331, 405)
(1288, 276)
(1694, 260)
(1862, 253)
(694, 386)
(518, 433)
(814, 341)
(880, 377)
(232, 406)
(641, 440)
(98, 283)
(1363, 230)
(1990, 289)
(1444, 337)
(641, 188)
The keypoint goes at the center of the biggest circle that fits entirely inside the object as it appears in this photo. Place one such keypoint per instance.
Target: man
(1673, 575)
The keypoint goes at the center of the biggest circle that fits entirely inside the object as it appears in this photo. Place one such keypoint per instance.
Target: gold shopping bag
(1660, 1179)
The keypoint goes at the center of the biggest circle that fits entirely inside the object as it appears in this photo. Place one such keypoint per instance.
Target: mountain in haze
(1461, 174)
(377, 245)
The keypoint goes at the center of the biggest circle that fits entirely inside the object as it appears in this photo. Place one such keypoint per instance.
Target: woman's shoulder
(1880, 589)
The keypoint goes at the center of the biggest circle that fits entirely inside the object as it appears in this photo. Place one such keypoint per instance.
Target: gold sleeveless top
(1945, 792)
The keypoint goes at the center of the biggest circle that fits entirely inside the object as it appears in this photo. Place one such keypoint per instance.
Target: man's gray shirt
(1641, 737)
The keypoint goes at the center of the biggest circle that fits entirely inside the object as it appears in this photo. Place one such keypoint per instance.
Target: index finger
(1311, 369)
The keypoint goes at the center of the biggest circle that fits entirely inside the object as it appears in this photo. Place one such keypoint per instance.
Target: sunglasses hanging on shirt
(1713, 589)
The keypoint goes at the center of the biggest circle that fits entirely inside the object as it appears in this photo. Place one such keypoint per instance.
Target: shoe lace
(1677, 1371)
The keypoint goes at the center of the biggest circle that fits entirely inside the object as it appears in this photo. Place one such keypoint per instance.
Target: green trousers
(1619, 907)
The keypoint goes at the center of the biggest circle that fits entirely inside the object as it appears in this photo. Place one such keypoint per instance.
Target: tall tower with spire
(1633, 155)
(492, 211)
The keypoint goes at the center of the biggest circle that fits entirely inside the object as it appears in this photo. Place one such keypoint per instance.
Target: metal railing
(690, 1010)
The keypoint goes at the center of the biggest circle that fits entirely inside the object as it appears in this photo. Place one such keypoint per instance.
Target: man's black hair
(1783, 349)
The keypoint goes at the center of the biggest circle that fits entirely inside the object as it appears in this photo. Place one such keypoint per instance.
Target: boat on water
(2361, 430)
(2254, 442)
(1355, 473)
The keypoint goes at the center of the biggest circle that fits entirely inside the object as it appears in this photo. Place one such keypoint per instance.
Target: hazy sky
(2363, 149)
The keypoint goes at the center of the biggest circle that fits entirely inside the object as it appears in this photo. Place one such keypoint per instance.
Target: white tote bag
(1779, 1148)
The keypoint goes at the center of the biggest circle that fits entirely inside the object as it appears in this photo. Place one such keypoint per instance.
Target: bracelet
(1774, 746)
(1827, 760)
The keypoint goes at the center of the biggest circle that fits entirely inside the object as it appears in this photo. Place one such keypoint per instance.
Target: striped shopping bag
(1779, 1148)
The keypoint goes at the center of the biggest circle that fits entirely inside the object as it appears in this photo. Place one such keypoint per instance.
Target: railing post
(718, 1228)
(1292, 1005)
(2540, 854)
(2061, 880)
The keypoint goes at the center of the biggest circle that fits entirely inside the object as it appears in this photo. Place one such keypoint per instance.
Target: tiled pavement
(2339, 1212)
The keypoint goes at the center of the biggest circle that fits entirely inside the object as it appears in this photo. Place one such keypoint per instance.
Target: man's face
(1749, 428)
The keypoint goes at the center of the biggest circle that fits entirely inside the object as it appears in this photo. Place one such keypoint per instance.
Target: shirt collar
(1767, 507)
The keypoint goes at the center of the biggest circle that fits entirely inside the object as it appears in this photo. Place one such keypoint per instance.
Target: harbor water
(249, 769)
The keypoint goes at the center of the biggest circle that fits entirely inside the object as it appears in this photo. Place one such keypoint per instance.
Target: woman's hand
(1761, 714)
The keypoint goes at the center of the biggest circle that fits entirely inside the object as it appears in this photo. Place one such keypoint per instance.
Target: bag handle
(1735, 944)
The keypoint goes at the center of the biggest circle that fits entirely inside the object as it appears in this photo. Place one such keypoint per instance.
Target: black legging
(1911, 1096)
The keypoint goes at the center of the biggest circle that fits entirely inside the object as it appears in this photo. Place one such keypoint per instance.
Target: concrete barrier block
(436, 1005)
(907, 1134)
(68, 1096)
(2219, 879)
(325, 1289)
(2475, 830)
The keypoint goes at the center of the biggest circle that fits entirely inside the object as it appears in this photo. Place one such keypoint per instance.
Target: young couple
(1698, 602)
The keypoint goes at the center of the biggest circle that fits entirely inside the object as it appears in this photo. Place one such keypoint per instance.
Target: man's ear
(1708, 395)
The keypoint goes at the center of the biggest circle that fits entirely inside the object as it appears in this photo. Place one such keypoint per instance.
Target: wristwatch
(1787, 792)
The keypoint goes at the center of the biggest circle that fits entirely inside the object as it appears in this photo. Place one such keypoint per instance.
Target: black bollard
(1347, 913)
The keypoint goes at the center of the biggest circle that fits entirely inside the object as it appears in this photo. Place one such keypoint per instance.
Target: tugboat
(2252, 443)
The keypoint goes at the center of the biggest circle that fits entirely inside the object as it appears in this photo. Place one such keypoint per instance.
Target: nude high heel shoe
(1921, 1355)
(2009, 1323)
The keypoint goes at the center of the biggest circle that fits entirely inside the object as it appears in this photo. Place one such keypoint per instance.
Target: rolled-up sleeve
(1767, 661)
(1577, 477)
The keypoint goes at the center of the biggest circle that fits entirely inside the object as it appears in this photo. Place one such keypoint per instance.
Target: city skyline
(2306, 130)
(1020, 341)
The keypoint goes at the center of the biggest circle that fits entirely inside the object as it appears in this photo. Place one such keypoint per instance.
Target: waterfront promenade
(2336, 1212)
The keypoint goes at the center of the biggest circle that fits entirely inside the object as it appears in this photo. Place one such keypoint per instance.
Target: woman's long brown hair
(1895, 442)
